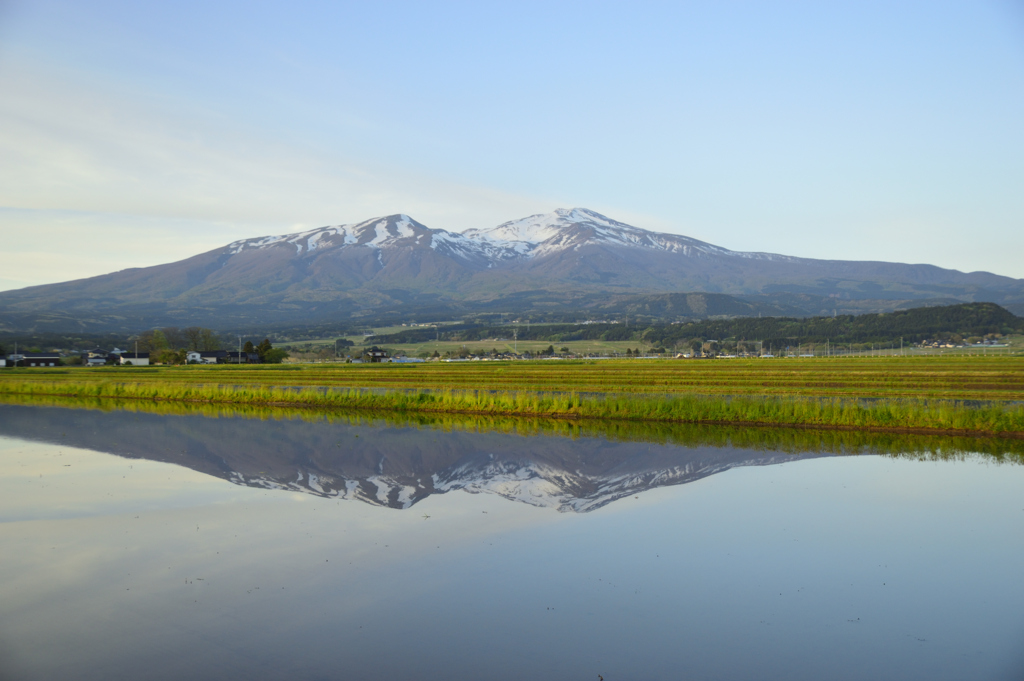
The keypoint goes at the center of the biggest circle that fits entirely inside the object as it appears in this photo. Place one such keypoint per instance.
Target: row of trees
(170, 345)
(914, 325)
(267, 352)
(195, 338)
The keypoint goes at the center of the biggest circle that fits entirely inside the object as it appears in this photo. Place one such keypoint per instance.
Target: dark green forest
(951, 322)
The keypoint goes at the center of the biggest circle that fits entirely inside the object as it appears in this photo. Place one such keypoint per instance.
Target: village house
(207, 356)
(94, 358)
(376, 355)
(34, 359)
(243, 358)
(137, 359)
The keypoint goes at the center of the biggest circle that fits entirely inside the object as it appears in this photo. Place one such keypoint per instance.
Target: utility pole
(239, 349)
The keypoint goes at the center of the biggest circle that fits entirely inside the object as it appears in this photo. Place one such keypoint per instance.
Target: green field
(907, 393)
(959, 378)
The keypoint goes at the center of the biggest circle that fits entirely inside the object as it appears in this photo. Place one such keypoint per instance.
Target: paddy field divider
(894, 415)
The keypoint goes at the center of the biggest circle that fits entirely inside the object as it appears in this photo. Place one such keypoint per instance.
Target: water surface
(165, 546)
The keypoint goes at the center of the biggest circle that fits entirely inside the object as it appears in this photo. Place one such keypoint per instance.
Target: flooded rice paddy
(149, 545)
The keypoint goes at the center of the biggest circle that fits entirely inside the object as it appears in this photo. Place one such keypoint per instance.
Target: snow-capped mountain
(572, 228)
(394, 467)
(373, 233)
(398, 466)
(567, 260)
(522, 479)
(565, 490)
(534, 236)
(392, 231)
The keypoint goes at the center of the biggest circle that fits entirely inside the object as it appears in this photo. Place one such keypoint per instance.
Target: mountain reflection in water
(399, 461)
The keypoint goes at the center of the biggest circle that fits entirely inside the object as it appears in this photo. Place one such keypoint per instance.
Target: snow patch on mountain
(531, 237)
(526, 483)
(375, 233)
(303, 241)
(314, 239)
(571, 228)
(530, 230)
(523, 481)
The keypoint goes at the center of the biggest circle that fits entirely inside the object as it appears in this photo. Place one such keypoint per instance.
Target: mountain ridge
(541, 262)
(391, 466)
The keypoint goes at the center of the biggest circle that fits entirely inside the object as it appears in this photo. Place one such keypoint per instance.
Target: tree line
(914, 325)
(171, 345)
(952, 322)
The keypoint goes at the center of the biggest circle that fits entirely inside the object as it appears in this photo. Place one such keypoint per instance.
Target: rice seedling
(956, 378)
(836, 412)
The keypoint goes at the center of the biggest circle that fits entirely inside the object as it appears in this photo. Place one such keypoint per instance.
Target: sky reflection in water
(825, 567)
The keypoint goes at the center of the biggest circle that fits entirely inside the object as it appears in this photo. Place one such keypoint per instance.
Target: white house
(206, 356)
(137, 359)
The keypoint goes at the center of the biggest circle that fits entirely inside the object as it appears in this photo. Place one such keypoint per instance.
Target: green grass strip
(894, 414)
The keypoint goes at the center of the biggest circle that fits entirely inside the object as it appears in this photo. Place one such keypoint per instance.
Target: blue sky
(136, 133)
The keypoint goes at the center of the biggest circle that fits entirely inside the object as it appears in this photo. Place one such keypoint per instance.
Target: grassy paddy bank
(907, 395)
(779, 439)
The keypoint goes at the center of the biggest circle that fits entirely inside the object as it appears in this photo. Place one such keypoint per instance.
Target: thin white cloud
(115, 181)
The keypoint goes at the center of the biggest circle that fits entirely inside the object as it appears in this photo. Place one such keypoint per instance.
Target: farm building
(207, 356)
(243, 358)
(34, 359)
(139, 359)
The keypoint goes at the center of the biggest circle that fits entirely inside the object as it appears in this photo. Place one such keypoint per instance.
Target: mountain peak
(576, 213)
(374, 232)
(582, 215)
(571, 228)
(536, 229)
